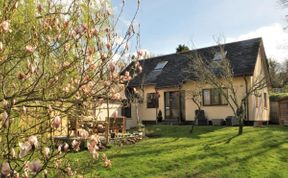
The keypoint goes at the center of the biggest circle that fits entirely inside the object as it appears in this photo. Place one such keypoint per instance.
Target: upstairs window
(213, 97)
(161, 65)
(152, 100)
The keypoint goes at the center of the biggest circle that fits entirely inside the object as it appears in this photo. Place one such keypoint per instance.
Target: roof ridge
(181, 53)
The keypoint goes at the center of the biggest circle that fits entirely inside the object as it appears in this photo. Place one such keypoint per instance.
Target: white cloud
(275, 40)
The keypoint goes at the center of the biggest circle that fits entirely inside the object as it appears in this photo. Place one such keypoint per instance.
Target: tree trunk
(240, 130)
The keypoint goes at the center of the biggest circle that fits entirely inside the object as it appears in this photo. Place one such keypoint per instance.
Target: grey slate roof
(242, 55)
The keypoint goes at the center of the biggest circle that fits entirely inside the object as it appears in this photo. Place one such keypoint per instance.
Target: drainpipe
(156, 91)
(180, 104)
(247, 100)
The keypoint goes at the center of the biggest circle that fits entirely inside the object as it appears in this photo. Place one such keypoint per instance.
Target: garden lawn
(207, 152)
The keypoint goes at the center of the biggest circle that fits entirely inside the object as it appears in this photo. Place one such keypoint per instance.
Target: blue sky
(167, 23)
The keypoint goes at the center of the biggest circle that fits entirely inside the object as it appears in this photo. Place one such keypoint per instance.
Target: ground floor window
(213, 96)
(152, 100)
(265, 100)
(126, 109)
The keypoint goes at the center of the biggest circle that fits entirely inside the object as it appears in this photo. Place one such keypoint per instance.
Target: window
(152, 100)
(212, 97)
(126, 109)
(265, 100)
(160, 65)
(256, 101)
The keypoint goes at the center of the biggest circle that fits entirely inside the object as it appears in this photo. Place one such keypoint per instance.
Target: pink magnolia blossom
(1, 46)
(116, 96)
(95, 138)
(108, 46)
(57, 122)
(127, 74)
(107, 162)
(92, 143)
(66, 64)
(30, 48)
(25, 174)
(69, 171)
(95, 155)
(33, 141)
(34, 166)
(139, 68)
(16, 174)
(46, 152)
(84, 27)
(66, 24)
(112, 67)
(24, 149)
(6, 26)
(83, 133)
(59, 149)
(24, 109)
(5, 120)
(92, 66)
(5, 103)
(16, 5)
(66, 47)
(5, 169)
(65, 147)
(139, 53)
(31, 67)
(45, 172)
(94, 31)
(50, 109)
(76, 145)
(13, 153)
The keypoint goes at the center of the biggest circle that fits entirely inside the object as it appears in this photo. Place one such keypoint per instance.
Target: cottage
(165, 81)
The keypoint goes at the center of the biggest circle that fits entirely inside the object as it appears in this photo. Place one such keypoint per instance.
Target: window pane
(152, 100)
(160, 65)
(206, 97)
(215, 94)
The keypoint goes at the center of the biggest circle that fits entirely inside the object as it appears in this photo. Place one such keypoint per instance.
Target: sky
(198, 23)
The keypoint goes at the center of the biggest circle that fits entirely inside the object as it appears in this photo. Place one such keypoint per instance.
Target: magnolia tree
(219, 74)
(53, 56)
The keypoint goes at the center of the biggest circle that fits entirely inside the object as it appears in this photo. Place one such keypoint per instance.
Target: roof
(242, 55)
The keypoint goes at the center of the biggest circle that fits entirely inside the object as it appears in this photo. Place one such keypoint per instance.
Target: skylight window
(218, 56)
(160, 65)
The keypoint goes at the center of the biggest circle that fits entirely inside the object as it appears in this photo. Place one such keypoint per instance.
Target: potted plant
(141, 129)
(159, 116)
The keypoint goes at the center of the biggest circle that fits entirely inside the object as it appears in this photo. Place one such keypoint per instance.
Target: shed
(283, 110)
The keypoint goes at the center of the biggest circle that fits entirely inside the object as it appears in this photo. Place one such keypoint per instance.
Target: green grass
(207, 152)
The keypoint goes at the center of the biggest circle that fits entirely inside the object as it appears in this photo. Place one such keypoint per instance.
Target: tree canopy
(182, 48)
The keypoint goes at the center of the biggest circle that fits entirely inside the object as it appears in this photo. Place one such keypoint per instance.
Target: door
(174, 105)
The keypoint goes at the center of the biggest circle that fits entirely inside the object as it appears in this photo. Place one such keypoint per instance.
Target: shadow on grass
(231, 138)
(179, 131)
(204, 153)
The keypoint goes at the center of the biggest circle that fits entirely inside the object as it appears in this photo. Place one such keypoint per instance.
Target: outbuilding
(283, 110)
